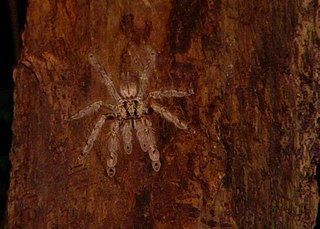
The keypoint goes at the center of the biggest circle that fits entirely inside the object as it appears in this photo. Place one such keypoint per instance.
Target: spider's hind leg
(113, 147)
(93, 136)
(147, 140)
(127, 136)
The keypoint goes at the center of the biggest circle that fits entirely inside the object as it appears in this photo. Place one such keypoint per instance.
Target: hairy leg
(143, 85)
(85, 111)
(127, 137)
(113, 147)
(93, 136)
(170, 117)
(169, 93)
(107, 80)
(147, 140)
(148, 68)
(141, 135)
(89, 109)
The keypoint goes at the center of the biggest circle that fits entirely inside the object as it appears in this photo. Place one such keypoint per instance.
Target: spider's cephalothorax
(129, 114)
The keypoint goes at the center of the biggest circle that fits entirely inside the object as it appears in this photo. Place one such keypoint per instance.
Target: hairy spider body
(131, 109)
(130, 112)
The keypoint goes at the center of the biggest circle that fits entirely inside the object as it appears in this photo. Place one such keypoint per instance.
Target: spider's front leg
(171, 117)
(107, 80)
(143, 85)
(90, 109)
(92, 138)
(147, 140)
(144, 76)
(113, 147)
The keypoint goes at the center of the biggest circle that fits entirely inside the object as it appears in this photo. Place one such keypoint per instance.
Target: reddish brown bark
(254, 67)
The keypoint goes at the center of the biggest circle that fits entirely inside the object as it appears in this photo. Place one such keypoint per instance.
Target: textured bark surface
(254, 67)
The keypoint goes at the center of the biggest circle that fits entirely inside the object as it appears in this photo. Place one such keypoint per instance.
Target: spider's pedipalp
(127, 137)
(92, 138)
(107, 80)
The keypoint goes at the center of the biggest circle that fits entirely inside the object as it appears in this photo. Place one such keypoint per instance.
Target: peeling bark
(254, 67)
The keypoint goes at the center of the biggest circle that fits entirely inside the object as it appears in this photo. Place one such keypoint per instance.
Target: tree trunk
(254, 69)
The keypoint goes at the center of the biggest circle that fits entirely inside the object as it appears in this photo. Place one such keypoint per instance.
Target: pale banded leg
(90, 109)
(143, 85)
(107, 80)
(149, 131)
(146, 137)
(113, 148)
(92, 138)
(171, 118)
(127, 137)
(169, 93)
(153, 150)
(85, 111)
(149, 66)
(141, 135)
(156, 165)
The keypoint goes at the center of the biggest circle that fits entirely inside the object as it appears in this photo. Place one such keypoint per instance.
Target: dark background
(12, 19)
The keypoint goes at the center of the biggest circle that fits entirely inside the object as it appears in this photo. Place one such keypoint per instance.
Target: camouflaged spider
(129, 112)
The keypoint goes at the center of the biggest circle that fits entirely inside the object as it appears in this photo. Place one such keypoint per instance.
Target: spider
(129, 112)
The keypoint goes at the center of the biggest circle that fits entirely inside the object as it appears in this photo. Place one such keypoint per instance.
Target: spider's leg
(127, 137)
(107, 80)
(143, 84)
(148, 67)
(171, 117)
(169, 93)
(141, 135)
(85, 111)
(147, 140)
(113, 147)
(153, 150)
(92, 138)
(109, 106)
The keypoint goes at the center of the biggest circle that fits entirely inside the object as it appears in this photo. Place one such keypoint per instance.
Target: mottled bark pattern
(254, 68)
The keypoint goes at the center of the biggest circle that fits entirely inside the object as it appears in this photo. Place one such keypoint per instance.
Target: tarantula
(130, 112)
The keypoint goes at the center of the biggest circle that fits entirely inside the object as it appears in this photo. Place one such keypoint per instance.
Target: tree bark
(254, 68)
